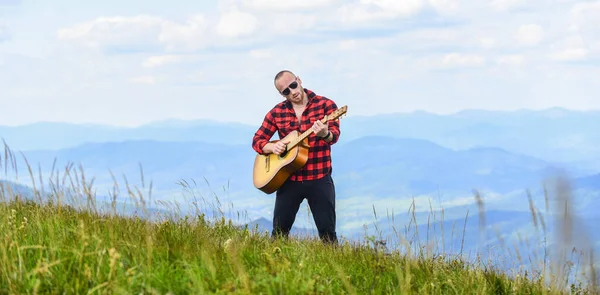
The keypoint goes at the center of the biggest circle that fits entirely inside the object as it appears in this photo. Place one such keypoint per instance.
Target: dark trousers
(320, 195)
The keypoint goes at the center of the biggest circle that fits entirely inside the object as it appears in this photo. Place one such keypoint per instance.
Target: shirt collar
(310, 94)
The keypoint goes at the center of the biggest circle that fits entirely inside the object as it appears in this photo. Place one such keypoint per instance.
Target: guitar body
(271, 171)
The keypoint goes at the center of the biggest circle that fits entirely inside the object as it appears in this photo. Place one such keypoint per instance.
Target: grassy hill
(53, 249)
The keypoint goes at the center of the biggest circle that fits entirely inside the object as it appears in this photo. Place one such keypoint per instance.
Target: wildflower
(23, 223)
(227, 243)
(114, 256)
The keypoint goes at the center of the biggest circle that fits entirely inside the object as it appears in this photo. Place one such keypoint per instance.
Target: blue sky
(129, 63)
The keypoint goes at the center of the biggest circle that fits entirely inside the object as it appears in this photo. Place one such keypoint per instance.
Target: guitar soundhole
(282, 155)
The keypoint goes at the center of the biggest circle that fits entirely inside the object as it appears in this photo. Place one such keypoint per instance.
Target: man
(301, 110)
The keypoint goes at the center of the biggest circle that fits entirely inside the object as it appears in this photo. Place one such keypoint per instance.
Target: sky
(133, 62)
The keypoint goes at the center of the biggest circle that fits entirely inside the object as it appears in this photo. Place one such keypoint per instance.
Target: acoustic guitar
(271, 170)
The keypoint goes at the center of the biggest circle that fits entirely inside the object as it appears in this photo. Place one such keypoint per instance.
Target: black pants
(320, 195)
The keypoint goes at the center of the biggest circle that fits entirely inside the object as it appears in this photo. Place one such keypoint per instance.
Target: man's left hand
(320, 129)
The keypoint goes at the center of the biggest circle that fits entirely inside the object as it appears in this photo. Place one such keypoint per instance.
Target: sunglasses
(293, 85)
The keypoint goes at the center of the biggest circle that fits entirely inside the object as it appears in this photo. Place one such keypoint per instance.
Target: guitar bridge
(267, 163)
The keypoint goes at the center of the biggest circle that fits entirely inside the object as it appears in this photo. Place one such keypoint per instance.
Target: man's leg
(321, 199)
(287, 203)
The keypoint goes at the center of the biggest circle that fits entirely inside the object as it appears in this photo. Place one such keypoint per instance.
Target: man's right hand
(275, 147)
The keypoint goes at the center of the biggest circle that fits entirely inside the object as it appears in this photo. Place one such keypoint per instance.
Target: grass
(50, 247)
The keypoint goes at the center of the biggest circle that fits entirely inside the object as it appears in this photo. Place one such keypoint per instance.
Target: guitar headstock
(337, 114)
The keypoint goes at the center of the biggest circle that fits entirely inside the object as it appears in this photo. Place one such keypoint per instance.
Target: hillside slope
(52, 249)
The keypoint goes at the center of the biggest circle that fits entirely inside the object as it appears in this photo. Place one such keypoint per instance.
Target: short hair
(281, 74)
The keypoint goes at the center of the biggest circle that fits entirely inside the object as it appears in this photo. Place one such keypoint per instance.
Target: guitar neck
(303, 136)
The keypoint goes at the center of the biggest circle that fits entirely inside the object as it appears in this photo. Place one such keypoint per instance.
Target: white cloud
(287, 24)
(156, 32)
(144, 80)
(401, 8)
(585, 14)
(569, 54)
(572, 48)
(199, 31)
(191, 35)
(356, 13)
(584, 27)
(366, 11)
(235, 24)
(462, 60)
(115, 31)
(504, 5)
(173, 60)
(261, 53)
(530, 34)
(287, 6)
(487, 42)
(348, 44)
(160, 60)
(445, 6)
(10, 2)
(468, 50)
(512, 59)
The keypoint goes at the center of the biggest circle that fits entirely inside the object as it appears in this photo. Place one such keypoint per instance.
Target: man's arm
(260, 141)
(333, 125)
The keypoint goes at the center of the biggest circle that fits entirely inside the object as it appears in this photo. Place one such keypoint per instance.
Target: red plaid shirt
(282, 119)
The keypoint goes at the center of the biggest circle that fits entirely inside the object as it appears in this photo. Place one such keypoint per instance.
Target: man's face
(290, 87)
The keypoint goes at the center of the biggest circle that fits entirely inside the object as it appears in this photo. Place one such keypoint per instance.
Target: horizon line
(209, 120)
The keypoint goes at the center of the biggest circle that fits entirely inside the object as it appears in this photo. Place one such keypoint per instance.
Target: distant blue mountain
(589, 182)
(384, 166)
(163, 162)
(555, 134)
(395, 166)
(51, 135)
(10, 190)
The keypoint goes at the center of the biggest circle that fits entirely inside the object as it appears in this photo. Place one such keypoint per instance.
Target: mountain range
(384, 166)
(556, 134)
